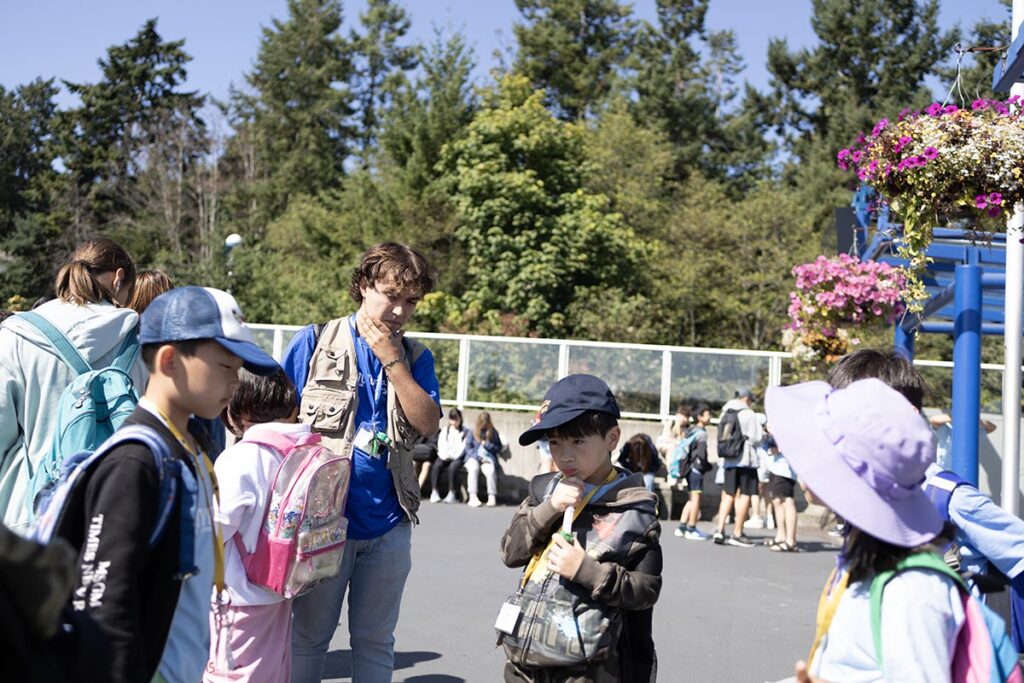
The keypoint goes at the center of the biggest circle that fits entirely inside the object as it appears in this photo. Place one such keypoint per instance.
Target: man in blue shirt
(369, 392)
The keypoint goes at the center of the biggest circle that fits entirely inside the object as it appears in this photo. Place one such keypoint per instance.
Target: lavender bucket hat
(863, 451)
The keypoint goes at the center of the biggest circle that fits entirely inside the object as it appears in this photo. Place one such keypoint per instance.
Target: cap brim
(254, 359)
(906, 522)
(550, 420)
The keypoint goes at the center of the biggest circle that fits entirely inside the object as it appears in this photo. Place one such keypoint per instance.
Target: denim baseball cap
(187, 313)
(863, 451)
(567, 399)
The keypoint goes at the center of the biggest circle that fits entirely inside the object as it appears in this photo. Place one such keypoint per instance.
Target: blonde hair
(77, 281)
(149, 285)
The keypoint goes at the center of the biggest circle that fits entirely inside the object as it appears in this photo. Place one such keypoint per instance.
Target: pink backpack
(304, 528)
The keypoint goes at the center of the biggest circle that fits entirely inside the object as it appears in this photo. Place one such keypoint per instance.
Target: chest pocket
(332, 368)
(325, 410)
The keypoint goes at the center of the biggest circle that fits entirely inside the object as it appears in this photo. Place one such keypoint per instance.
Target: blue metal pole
(967, 371)
(904, 342)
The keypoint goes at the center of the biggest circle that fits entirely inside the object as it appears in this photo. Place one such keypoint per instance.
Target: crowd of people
(137, 547)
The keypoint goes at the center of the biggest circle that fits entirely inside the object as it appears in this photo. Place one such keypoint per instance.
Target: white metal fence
(512, 373)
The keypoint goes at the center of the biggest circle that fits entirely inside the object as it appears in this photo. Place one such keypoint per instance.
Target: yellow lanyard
(828, 603)
(541, 558)
(200, 460)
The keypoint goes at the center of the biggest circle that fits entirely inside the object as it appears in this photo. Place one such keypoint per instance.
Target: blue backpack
(680, 464)
(69, 493)
(939, 490)
(90, 409)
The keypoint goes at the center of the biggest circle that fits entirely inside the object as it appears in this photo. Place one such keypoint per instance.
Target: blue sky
(64, 38)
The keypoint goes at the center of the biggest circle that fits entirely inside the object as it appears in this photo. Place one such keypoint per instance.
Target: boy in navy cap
(152, 596)
(588, 591)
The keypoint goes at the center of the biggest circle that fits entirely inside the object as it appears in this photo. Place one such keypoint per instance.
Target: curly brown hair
(393, 263)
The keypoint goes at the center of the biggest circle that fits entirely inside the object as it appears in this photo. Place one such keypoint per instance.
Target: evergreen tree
(302, 105)
(29, 240)
(122, 127)
(573, 49)
(871, 61)
(977, 67)
(381, 67)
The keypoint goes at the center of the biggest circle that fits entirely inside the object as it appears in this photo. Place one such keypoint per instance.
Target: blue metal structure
(966, 280)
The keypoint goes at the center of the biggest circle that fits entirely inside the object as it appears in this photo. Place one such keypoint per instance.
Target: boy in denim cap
(603, 570)
(153, 598)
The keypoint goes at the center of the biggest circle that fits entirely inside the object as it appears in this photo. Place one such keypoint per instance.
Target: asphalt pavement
(725, 614)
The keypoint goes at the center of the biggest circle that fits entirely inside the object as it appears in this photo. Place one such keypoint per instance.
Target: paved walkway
(725, 614)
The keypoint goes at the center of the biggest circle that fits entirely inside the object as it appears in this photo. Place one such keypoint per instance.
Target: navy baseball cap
(186, 313)
(567, 399)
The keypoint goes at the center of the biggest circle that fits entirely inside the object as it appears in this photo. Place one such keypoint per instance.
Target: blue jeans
(373, 572)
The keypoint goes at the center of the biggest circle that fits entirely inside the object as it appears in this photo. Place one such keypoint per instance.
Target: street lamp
(230, 242)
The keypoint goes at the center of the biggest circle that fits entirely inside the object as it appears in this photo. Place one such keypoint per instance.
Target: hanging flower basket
(833, 298)
(943, 166)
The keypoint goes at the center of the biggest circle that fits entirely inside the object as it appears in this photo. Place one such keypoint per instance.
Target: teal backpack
(90, 410)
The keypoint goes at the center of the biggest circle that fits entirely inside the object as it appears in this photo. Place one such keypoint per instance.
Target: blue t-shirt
(372, 508)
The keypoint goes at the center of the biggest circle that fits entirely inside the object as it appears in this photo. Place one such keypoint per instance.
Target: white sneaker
(435, 497)
(770, 522)
(754, 523)
(492, 501)
(474, 502)
(450, 498)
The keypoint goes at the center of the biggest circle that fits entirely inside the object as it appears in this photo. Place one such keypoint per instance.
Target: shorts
(695, 481)
(781, 487)
(742, 479)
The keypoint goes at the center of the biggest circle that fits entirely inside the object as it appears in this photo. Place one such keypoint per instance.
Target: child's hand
(568, 492)
(802, 676)
(565, 558)
(387, 346)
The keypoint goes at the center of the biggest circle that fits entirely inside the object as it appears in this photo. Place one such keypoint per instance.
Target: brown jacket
(622, 569)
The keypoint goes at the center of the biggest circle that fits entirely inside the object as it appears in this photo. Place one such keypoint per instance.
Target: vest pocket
(325, 410)
(330, 367)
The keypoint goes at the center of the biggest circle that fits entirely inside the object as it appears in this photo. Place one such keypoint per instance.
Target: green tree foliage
(300, 112)
(572, 49)
(533, 235)
(380, 68)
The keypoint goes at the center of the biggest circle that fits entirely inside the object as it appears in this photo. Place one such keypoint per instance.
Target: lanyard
(373, 392)
(200, 460)
(828, 603)
(541, 559)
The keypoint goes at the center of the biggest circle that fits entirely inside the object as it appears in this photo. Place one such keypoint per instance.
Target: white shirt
(245, 472)
(450, 443)
(922, 613)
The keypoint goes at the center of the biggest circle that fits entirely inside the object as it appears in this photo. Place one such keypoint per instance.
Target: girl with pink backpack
(281, 505)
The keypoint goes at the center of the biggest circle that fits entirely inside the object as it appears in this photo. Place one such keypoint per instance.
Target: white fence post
(774, 371)
(666, 383)
(462, 381)
(278, 344)
(563, 360)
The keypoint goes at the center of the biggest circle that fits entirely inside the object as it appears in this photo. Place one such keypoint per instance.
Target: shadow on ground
(338, 664)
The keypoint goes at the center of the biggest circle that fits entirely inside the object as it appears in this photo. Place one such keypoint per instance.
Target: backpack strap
(279, 442)
(924, 560)
(60, 343)
(940, 487)
(129, 352)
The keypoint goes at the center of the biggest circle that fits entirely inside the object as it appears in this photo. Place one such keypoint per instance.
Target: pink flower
(879, 127)
(857, 156)
(979, 104)
(981, 201)
(930, 153)
(995, 199)
(950, 109)
(934, 109)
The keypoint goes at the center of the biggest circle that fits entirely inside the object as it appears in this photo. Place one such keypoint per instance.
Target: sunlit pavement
(725, 614)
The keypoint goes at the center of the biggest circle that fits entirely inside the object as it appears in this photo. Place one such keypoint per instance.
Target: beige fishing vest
(330, 400)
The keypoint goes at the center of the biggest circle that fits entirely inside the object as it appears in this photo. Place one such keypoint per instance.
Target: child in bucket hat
(863, 452)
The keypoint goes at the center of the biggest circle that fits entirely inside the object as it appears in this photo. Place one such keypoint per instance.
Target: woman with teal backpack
(90, 320)
(892, 609)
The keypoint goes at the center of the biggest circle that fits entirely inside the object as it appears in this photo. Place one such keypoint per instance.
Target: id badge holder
(363, 438)
(508, 617)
